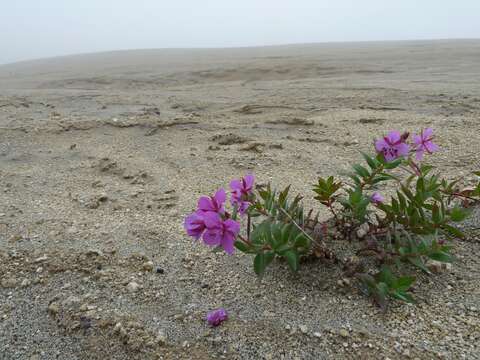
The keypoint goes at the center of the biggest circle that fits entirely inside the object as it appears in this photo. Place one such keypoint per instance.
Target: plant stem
(322, 245)
(371, 177)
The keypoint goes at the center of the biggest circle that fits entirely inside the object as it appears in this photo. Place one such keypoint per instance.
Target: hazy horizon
(33, 30)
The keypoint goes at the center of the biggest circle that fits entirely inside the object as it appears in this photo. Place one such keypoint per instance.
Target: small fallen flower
(377, 198)
(216, 317)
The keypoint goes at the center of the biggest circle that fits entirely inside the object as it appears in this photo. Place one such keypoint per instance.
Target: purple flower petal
(431, 147)
(241, 191)
(212, 237)
(394, 136)
(423, 143)
(216, 317)
(249, 180)
(236, 184)
(392, 146)
(195, 225)
(377, 198)
(212, 220)
(220, 197)
(214, 203)
(380, 145)
(427, 133)
(205, 204)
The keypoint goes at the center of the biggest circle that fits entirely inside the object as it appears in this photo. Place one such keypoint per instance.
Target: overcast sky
(42, 28)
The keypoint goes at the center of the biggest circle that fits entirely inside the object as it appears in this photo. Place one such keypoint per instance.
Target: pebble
(117, 328)
(72, 230)
(9, 283)
(438, 266)
(303, 329)
(148, 266)
(161, 338)
(53, 308)
(133, 286)
(343, 333)
(40, 259)
(363, 230)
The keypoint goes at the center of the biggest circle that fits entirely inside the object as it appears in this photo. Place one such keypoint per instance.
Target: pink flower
(377, 198)
(195, 224)
(423, 143)
(216, 317)
(220, 232)
(213, 203)
(392, 146)
(241, 192)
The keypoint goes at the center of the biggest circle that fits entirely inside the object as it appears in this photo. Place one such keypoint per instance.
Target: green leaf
(418, 263)
(356, 196)
(385, 276)
(261, 261)
(356, 179)
(458, 214)
(453, 231)
(286, 230)
(243, 247)
(301, 241)
(360, 170)
(400, 295)
(292, 259)
(259, 264)
(440, 256)
(404, 283)
(382, 288)
(436, 217)
(392, 164)
(374, 164)
(367, 283)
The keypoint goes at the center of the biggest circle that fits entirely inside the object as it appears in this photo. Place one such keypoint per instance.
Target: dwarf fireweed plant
(404, 230)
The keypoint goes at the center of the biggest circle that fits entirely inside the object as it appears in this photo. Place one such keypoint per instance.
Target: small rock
(72, 230)
(133, 286)
(40, 259)
(438, 266)
(148, 266)
(161, 338)
(25, 283)
(343, 333)
(9, 283)
(317, 334)
(53, 308)
(117, 328)
(303, 329)
(94, 252)
(363, 230)
(159, 270)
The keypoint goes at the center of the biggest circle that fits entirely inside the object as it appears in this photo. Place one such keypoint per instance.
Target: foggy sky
(43, 28)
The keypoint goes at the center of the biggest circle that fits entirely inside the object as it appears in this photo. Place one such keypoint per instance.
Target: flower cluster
(394, 145)
(409, 229)
(214, 225)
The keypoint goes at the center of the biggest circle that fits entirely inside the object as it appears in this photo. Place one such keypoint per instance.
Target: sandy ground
(103, 155)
